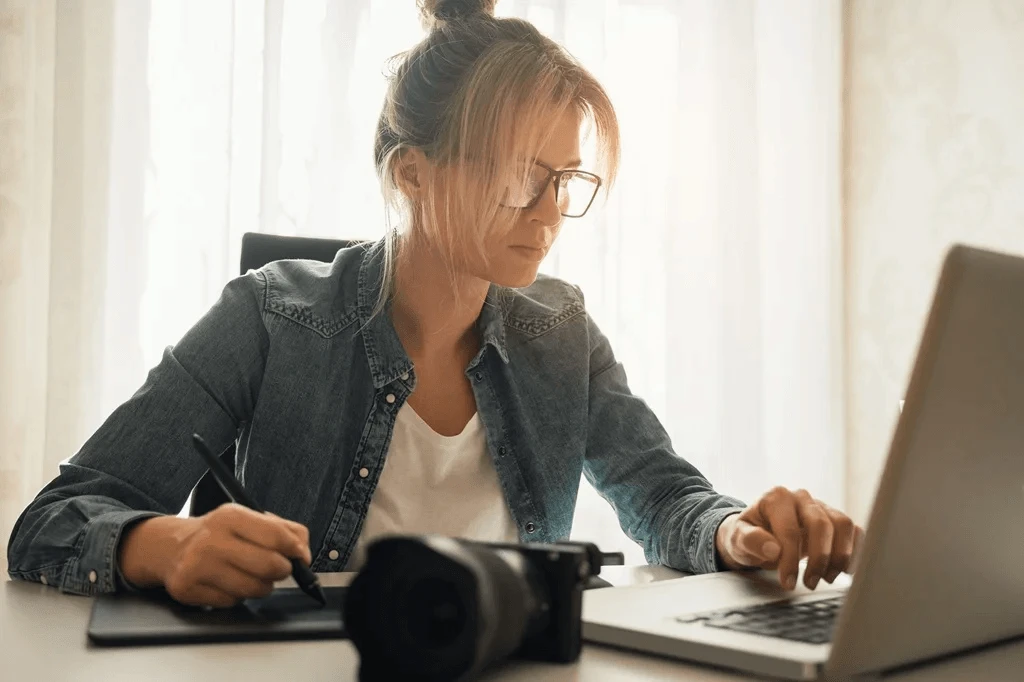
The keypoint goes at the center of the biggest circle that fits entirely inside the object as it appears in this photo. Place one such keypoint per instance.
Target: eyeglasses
(575, 190)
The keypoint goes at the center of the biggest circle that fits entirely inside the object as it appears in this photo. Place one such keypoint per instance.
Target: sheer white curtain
(715, 267)
(56, 81)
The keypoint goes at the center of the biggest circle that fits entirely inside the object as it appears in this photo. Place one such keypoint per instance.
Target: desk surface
(42, 633)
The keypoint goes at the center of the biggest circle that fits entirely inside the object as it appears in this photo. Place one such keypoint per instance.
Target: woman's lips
(530, 252)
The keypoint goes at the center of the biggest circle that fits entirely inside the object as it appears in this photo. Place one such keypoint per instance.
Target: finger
(264, 530)
(237, 584)
(778, 508)
(205, 595)
(817, 528)
(843, 536)
(755, 546)
(300, 531)
(259, 562)
(858, 542)
(185, 585)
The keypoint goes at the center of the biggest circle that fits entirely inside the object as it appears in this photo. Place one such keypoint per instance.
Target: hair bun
(434, 12)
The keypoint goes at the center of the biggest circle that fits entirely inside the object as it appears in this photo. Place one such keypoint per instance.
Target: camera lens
(433, 608)
(435, 613)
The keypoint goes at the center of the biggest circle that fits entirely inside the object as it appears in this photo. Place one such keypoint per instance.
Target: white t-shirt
(434, 484)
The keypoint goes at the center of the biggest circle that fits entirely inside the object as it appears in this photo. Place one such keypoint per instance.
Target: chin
(519, 278)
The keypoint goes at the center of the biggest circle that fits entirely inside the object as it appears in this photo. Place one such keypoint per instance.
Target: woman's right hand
(230, 554)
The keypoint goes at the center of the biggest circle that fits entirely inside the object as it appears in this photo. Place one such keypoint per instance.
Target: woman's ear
(411, 171)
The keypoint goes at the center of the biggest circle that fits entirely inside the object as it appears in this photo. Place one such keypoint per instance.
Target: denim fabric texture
(292, 362)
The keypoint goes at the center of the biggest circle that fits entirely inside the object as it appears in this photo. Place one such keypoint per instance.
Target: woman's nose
(547, 210)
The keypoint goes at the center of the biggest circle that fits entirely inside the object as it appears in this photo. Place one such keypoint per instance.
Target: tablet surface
(155, 618)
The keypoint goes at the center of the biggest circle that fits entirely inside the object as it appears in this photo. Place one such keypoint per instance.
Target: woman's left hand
(782, 528)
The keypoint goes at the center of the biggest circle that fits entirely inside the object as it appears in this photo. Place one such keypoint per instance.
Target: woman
(431, 382)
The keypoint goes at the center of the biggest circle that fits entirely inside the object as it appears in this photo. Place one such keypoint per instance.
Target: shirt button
(390, 398)
(42, 579)
(333, 555)
(530, 527)
(502, 450)
(92, 576)
(405, 377)
(364, 472)
(479, 376)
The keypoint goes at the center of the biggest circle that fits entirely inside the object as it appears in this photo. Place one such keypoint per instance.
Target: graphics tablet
(155, 618)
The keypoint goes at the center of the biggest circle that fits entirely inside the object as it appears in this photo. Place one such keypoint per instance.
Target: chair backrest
(258, 250)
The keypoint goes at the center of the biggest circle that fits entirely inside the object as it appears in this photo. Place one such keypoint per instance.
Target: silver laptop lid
(942, 566)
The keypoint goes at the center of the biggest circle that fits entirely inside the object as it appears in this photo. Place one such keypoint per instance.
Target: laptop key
(811, 622)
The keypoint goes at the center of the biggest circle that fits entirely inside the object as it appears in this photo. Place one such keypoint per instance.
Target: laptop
(941, 568)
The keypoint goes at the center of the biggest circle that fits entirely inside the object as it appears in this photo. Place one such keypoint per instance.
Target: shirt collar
(385, 353)
(491, 322)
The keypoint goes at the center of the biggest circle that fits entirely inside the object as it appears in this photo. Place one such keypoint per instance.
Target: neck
(431, 312)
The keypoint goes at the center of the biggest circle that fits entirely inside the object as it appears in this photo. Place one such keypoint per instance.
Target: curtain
(55, 103)
(26, 58)
(715, 266)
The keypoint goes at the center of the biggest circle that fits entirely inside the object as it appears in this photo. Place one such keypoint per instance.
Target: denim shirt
(292, 362)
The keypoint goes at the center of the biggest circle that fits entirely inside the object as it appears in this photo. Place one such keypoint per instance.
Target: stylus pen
(303, 575)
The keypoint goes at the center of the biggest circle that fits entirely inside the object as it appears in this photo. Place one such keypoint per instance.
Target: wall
(934, 154)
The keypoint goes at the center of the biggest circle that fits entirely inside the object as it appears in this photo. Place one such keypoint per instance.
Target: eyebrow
(575, 163)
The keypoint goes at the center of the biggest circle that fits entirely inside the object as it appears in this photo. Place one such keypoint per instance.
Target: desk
(42, 637)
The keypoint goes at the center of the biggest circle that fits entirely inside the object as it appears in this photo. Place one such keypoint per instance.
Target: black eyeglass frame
(556, 175)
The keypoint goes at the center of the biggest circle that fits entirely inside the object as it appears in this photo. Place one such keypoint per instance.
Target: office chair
(258, 250)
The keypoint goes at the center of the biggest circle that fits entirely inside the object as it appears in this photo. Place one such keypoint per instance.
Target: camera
(436, 608)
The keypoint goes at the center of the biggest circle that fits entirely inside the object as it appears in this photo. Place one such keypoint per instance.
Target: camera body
(436, 608)
(564, 569)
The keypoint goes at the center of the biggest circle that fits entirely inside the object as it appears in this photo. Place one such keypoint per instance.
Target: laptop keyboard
(812, 622)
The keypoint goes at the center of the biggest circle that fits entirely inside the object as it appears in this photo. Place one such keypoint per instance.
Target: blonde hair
(477, 96)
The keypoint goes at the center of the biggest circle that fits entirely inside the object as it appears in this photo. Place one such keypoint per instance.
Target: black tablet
(155, 618)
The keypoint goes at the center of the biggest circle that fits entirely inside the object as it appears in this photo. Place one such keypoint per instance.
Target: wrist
(148, 548)
(723, 558)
